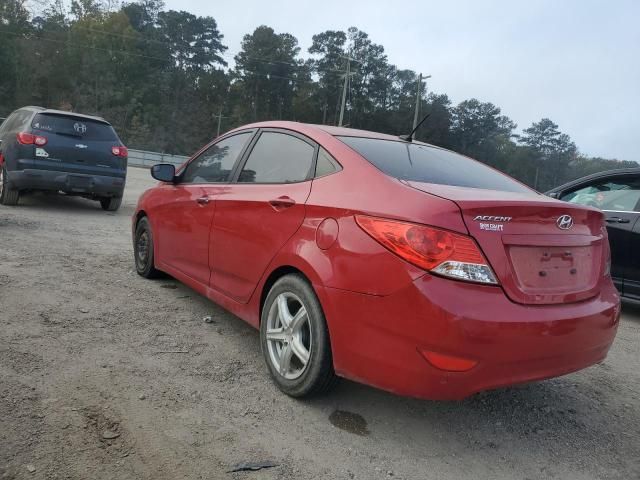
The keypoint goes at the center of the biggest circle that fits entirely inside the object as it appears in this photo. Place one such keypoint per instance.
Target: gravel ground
(106, 375)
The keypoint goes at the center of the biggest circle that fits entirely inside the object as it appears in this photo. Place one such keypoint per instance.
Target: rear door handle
(203, 200)
(282, 202)
(617, 220)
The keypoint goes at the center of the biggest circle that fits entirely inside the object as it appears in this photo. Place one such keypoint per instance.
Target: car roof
(51, 111)
(334, 131)
(618, 172)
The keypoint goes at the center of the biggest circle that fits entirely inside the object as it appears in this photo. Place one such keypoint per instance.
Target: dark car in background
(617, 194)
(52, 150)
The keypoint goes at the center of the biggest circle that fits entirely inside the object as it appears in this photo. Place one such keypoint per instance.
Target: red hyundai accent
(393, 263)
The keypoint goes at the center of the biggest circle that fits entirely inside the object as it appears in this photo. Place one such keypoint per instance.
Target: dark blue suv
(58, 151)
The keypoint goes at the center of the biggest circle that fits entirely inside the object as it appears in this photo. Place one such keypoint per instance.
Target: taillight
(25, 138)
(120, 151)
(433, 249)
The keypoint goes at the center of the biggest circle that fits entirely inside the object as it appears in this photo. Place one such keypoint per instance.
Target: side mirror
(165, 172)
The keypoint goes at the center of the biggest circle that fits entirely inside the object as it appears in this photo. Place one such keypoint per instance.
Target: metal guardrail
(143, 158)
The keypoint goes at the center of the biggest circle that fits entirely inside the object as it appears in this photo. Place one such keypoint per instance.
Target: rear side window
(325, 165)
(423, 163)
(74, 127)
(620, 195)
(17, 121)
(278, 158)
(215, 164)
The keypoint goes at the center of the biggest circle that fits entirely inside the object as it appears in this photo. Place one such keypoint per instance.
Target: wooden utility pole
(415, 115)
(347, 79)
(220, 117)
(419, 98)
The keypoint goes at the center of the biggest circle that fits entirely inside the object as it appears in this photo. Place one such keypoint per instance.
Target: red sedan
(386, 261)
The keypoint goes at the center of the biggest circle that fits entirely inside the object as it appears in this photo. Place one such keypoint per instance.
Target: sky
(576, 62)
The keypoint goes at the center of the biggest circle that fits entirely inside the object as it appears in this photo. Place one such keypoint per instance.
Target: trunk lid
(538, 253)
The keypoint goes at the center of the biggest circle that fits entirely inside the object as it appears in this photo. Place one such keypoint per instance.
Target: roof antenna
(409, 138)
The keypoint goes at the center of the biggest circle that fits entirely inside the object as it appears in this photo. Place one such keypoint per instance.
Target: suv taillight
(120, 151)
(25, 138)
(438, 251)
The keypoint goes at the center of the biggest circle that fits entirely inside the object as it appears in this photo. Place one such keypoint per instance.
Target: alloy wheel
(142, 253)
(288, 336)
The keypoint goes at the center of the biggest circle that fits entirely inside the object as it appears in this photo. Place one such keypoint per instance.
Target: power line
(165, 60)
(66, 42)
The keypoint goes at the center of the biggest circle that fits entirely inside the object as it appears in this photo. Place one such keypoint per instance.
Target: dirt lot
(106, 375)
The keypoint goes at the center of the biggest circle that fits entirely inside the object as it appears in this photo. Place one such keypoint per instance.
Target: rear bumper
(72, 183)
(378, 340)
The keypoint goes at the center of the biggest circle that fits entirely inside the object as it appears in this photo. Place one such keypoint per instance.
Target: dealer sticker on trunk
(492, 227)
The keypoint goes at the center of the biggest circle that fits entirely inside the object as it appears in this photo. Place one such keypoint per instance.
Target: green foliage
(162, 78)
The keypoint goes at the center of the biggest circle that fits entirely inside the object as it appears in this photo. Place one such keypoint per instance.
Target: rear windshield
(422, 163)
(74, 127)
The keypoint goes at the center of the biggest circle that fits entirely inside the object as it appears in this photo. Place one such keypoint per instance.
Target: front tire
(143, 250)
(295, 339)
(110, 204)
(8, 195)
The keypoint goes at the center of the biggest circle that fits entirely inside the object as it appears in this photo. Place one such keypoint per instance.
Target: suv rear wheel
(8, 195)
(110, 204)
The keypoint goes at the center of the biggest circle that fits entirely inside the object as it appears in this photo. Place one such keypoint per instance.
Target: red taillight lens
(30, 139)
(439, 251)
(26, 138)
(448, 363)
(120, 151)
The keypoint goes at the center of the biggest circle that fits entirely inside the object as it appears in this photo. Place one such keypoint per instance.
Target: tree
(478, 129)
(267, 75)
(553, 150)
(329, 63)
(14, 26)
(161, 77)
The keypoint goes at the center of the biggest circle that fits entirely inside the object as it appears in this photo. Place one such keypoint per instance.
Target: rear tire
(143, 250)
(8, 195)
(110, 204)
(297, 351)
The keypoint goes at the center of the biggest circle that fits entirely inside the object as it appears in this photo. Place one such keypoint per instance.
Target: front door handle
(282, 202)
(617, 220)
(203, 200)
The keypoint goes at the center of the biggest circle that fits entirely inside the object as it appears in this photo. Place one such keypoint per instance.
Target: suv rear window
(422, 163)
(74, 126)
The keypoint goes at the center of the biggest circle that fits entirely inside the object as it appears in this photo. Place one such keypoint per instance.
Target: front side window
(278, 158)
(215, 164)
(621, 195)
(424, 163)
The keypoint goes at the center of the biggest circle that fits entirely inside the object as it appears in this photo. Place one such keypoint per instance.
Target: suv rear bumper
(71, 183)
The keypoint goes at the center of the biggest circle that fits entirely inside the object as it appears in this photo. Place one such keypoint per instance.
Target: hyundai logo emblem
(80, 127)
(564, 222)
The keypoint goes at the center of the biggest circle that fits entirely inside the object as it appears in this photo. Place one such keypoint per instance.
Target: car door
(183, 219)
(260, 211)
(618, 198)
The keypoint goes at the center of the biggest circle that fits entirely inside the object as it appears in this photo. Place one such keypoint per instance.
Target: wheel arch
(139, 214)
(271, 280)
